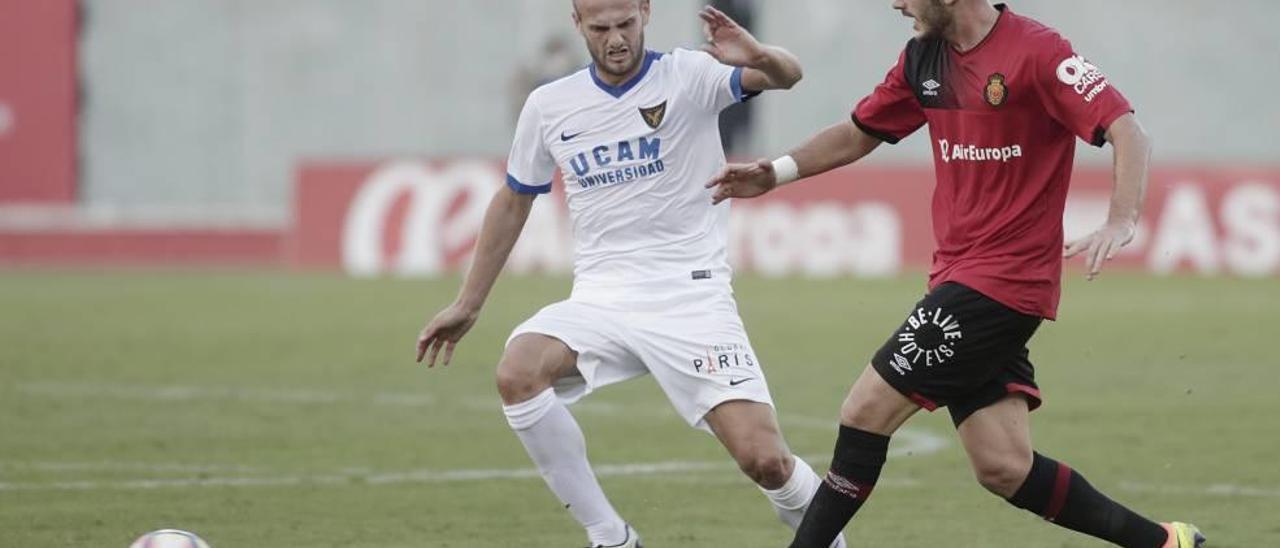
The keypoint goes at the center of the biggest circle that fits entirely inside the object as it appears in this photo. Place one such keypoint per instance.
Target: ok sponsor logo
(1083, 77)
(929, 338)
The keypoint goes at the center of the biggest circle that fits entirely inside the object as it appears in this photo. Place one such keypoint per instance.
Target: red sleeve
(891, 112)
(1077, 94)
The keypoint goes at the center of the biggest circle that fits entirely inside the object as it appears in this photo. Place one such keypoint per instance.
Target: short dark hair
(575, 4)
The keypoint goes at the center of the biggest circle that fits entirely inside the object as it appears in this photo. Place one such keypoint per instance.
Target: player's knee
(529, 366)
(853, 412)
(1001, 476)
(518, 383)
(769, 469)
(864, 413)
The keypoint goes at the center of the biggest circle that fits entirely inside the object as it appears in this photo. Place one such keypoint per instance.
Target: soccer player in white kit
(634, 135)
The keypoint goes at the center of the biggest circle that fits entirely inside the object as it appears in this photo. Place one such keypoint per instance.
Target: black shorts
(962, 350)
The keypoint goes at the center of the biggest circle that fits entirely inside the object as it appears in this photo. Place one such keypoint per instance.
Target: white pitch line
(110, 466)
(398, 478)
(909, 442)
(1213, 490)
(917, 441)
(617, 470)
(180, 393)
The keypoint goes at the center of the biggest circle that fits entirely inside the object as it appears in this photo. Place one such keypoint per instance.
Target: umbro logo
(931, 88)
(900, 364)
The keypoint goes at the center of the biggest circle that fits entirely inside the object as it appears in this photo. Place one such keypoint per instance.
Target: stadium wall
(213, 102)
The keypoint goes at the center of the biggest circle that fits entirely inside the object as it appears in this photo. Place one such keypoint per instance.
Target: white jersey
(634, 160)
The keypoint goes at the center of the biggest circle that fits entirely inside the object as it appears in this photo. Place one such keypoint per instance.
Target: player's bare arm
(503, 223)
(1132, 153)
(766, 67)
(839, 145)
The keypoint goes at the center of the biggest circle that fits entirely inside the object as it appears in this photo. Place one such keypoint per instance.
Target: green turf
(277, 410)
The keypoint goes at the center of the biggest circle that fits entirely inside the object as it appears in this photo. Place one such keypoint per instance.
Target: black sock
(1060, 495)
(855, 467)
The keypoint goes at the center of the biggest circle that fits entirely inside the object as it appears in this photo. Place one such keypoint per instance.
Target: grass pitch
(280, 410)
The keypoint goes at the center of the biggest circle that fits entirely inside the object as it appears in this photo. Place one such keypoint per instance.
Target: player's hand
(727, 41)
(445, 330)
(1102, 245)
(743, 181)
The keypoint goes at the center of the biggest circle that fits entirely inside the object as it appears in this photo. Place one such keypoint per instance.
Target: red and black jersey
(1003, 118)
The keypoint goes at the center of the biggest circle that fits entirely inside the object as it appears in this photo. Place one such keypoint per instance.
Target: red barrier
(37, 101)
(422, 218)
(125, 247)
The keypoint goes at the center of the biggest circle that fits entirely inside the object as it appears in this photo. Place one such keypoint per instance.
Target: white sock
(792, 499)
(555, 443)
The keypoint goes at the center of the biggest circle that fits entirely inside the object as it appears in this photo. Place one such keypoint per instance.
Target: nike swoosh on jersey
(736, 382)
(564, 138)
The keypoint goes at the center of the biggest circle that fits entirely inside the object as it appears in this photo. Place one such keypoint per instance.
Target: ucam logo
(1083, 76)
(616, 165)
(625, 151)
(971, 153)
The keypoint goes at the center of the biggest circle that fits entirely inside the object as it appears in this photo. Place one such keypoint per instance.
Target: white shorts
(696, 348)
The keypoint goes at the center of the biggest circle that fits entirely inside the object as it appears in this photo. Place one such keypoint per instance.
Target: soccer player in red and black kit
(1004, 98)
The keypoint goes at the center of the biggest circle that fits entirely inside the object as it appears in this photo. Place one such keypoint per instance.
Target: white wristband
(786, 170)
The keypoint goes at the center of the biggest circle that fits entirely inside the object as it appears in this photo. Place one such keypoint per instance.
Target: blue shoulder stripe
(735, 82)
(522, 188)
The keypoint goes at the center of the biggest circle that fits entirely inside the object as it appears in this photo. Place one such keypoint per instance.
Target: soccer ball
(169, 538)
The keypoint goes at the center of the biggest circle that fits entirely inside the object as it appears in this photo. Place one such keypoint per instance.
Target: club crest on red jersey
(997, 92)
(654, 115)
